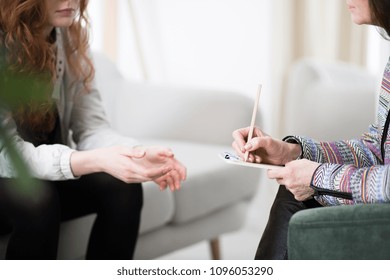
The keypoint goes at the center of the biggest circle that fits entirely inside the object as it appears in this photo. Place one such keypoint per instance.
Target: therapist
(318, 174)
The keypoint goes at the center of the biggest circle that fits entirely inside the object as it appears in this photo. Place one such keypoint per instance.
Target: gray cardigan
(84, 126)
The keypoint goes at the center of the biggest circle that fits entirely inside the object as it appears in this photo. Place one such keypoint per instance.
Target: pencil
(252, 126)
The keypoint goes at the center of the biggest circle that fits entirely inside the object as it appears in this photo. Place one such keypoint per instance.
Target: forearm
(85, 162)
(354, 152)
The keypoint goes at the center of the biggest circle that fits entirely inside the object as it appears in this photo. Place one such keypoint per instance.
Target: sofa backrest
(146, 110)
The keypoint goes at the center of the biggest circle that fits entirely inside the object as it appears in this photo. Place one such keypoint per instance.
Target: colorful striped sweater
(360, 167)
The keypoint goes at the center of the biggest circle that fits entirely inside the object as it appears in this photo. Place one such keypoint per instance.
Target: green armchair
(341, 232)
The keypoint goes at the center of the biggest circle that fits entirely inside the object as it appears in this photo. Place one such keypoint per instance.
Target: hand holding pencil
(254, 145)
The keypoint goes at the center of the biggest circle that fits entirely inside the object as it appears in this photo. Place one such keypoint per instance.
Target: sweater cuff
(295, 140)
(65, 164)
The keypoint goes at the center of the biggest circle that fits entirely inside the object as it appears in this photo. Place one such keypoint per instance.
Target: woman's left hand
(161, 156)
(296, 176)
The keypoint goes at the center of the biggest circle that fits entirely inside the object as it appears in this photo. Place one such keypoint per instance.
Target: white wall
(222, 44)
(218, 43)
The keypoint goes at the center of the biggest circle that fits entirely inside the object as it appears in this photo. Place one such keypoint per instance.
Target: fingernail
(140, 153)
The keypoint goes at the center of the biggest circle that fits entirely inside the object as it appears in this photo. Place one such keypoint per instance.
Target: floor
(242, 244)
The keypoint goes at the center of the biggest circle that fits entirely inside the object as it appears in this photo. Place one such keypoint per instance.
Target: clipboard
(233, 159)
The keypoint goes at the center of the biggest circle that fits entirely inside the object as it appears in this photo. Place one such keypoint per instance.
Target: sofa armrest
(341, 232)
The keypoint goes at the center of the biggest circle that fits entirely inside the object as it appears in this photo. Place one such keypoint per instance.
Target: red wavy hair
(23, 24)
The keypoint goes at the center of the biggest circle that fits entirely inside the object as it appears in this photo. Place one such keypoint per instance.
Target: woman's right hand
(263, 148)
(131, 165)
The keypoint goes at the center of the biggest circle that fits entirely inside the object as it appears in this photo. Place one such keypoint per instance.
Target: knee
(285, 203)
(38, 204)
(126, 198)
(132, 196)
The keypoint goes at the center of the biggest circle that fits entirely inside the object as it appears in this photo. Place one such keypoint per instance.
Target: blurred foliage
(16, 90)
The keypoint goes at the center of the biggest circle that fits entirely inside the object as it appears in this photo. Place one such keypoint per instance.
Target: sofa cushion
(211, 183)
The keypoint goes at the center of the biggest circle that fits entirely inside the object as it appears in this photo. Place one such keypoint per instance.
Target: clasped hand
(262, 148)
(141, 164)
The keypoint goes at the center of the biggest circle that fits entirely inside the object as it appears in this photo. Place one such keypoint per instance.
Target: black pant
(33, 216)
(273, 243)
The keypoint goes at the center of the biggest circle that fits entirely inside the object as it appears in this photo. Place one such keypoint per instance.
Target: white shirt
(84, 126)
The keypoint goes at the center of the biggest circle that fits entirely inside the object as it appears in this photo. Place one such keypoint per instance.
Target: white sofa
(197, 125)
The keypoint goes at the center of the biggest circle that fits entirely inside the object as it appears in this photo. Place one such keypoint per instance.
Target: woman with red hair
(62, 133)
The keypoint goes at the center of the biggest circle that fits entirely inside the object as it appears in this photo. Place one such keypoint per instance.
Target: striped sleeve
(367, 185)
(361, 153)
(351, 166)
